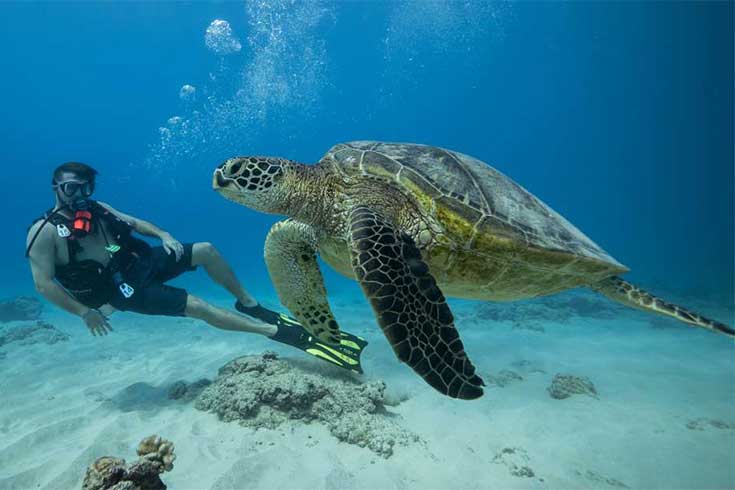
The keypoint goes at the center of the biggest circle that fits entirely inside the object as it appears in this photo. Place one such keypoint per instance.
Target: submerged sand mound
(263, 391)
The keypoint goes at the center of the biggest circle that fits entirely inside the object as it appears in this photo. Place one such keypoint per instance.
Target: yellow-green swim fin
(290, 332)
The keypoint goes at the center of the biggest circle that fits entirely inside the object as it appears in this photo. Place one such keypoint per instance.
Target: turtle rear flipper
(628, 294)
(290, 254)
(410, 308)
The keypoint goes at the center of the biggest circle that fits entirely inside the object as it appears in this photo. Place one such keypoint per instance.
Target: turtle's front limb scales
(410, 307)
(290, 254)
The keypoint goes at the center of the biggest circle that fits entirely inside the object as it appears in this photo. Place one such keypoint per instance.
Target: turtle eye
(235, 168)
(232, 168)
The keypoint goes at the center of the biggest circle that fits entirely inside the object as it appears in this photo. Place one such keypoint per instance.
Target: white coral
(155, 448)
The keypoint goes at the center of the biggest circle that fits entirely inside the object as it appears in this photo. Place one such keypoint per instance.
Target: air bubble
(220, 39)
(188, 93)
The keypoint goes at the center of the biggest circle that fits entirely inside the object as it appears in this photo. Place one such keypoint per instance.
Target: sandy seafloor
(64, 405)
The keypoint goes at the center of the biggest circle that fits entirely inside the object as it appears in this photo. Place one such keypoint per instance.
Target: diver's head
(73, 182)
(255, 182)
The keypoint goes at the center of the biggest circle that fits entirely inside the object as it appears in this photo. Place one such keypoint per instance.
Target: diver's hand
(170, 244)
(96, 322)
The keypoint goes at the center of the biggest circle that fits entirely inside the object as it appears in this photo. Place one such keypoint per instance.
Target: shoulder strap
(40, 218)
(54, 217)
(58, 219)
(118, 227)
(72, 246)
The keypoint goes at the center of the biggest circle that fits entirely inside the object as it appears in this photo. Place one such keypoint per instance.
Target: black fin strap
(257, 311)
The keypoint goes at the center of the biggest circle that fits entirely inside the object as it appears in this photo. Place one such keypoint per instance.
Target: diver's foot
(257, 311)
(294, 335)
(290, 333)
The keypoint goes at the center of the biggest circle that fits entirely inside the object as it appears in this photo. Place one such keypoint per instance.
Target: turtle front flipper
(409, 305)
(290, 254)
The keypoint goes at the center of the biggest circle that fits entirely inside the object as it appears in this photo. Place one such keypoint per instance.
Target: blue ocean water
(617, 115)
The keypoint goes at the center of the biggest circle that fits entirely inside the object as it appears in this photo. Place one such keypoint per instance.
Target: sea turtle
(413, 223)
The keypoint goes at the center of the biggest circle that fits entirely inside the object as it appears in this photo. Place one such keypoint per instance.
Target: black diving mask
(70, 187)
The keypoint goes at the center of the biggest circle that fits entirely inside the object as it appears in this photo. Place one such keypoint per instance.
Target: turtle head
(255, 182)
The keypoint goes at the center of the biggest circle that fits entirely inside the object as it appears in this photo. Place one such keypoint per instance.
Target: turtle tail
(626, 293)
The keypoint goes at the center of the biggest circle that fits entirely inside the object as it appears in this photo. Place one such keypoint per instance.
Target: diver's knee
(203, 253)
(195, 307)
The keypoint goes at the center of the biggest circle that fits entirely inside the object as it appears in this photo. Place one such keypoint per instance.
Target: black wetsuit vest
(90, 282)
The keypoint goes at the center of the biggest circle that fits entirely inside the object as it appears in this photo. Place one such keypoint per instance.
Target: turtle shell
(472, 189)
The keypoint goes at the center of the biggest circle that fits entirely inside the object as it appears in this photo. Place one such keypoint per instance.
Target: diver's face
(70, 188)
(251, 181)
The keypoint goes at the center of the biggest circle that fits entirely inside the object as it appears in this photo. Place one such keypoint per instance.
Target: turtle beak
(219, 181)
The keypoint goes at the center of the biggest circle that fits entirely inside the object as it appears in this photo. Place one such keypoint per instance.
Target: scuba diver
(85, 259)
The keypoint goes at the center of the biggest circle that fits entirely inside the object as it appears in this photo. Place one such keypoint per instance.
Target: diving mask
(70, 187)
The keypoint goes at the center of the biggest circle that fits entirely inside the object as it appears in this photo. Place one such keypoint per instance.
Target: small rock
(504, 378)
(596, 477)
(177, 390)
(39, 332)
(528, 367)
(522, 472)
(181, 390)
(515, 459)
(702, 423)
(566, 385)
(23, 308)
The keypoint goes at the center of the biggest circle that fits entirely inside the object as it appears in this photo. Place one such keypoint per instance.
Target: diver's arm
(170, 244)
(141, 226)
(43, 267)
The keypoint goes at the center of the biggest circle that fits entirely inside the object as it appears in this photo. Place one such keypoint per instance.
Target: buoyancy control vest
(88, 281)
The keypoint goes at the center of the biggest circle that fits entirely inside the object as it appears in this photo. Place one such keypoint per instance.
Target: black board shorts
(152, 296)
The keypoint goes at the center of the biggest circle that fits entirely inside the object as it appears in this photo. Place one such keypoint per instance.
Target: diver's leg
(225, 320)
(206, 255)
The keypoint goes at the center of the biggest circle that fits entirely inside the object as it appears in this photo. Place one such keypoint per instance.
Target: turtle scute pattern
(477, 193)
(254, 173)
(410, 308)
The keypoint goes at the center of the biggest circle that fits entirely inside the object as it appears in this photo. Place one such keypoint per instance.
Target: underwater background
(617, 115)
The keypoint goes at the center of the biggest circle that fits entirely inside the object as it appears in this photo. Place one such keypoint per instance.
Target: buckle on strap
(126, 289)
(62, 230)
